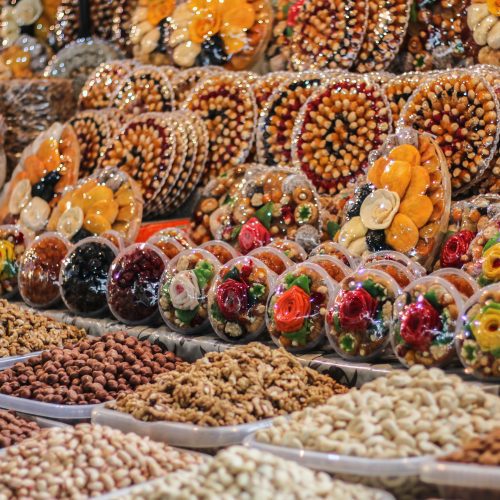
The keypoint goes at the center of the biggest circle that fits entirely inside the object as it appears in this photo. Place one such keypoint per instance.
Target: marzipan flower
(232, 298)
(419, 323)
(455, 248)
(356, 310)
(292, 309)
(253, 235)
(184, 291)
(486, 327)
(491, 263)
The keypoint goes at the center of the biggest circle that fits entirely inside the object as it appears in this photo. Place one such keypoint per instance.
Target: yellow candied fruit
(121, 227)
(159, 10)
(419, 182)
(486, 328)
(126, 213)
(48, 152)
(405, 152)
(396, 177)
(124, 197)
(402, 234)
(108, 209)
(491, 263)
(418, 208)
(98, 193)
(376, 171)
(96, 224)
(34, 168)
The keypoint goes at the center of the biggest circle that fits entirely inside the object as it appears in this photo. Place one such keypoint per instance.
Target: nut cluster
(241, 385)
(85, 461)
(14, 429)
(92, 371)
(484, 450)
(23, 331)
(186, 80)
(399, 90)
(239, 472)
(405, 414)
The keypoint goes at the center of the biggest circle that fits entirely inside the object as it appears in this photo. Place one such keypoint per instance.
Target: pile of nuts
(484, 450)
(23, 331)
(14, 429)
(241, 385)
(406, 414)
(239, 472)
(92, 371)
(85, 461)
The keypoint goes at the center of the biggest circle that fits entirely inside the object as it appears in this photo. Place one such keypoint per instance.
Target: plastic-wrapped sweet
(335, 268)
(404, 204)
(221, 250)
(273, 203)
(484, 253)
(184, 290)
(295, 252)
(360, 314)
(448, 106)
(297, 307)
(38, 276)
(237, 299)
(473, 213)
(109, 199)
(335, 250)
(399, 89)
(332, 209)
(14, 241)
(388, 255)
(425, 320)
(134, 282)
(235, 36)
(399, 273)
(478, 342)
(186, 80)
(465, 284)
(47, 166)
(168, 245)
(328, 35)
(179, 235)
(274, 259)
(23, 56)
(84, 275)
(333, 152)
(115, 238)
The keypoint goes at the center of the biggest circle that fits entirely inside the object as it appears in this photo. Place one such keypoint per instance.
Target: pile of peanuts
(14, 429)
(85, 461)
(406, 414)
(241, 385)
(92, 371)
(239, 472)
(484, 450)
(23, 331)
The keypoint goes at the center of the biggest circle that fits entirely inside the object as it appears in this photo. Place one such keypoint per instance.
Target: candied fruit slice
(402, 234)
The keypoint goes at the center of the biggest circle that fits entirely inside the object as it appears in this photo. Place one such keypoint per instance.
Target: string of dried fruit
(337, 128)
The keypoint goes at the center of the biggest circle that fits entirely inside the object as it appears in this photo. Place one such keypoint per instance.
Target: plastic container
(179, 434)
(359, 316)
(39, 270)
(9, 361)
(237, 299)
(115, 238)
(291, 249)
(184, 290)
(335, 268)
(297, 306)
(223, 251)
(274, 259)
(478, 340)
(335, 250)
(14, 241)
(414, 267)
(464, 283)
(425, 320)
(179, 235)
(463, 481)
(399, 272)
(168, 245)
(134, 282)
(84, 275)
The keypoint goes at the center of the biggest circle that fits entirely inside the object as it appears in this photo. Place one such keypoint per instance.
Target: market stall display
(397, 257)
(15, 428)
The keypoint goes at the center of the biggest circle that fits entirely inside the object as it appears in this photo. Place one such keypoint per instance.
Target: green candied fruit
(303, 281)
(204, 272)
(469, 351)
(347, 343)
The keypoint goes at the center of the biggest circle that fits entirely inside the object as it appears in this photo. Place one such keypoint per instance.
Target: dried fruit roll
(328, 34)
(336, 130)
(144, 89)
(226, 104)
(460, 109)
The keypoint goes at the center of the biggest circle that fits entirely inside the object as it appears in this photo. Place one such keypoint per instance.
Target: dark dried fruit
(376, 241)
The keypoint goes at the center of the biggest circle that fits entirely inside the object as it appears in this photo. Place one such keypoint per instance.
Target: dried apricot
(419, 182)
(48, 152)
(405, 152)
(108, 209)
(396, 177)
(376, 171)
(96, 224)
(402, 234)
(418, 208)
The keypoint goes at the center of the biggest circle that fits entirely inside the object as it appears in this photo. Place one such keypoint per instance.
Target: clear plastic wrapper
(360, 314)
(399, 273)
(134, 282)
(179, 235)
(221, 250)
(115, 238)
(38, 275)
(276, 120)
(231, 33)
(295, 252)
(333, 153)
(274, 259)
(264, 86)
(145, 89)
(478, 340)
(474, 213)
(328, 35)
(102, 84)
(297, 307)
(414, 267)
(481, 261)
(225, 102)
(109, 199)
(24, 57)
(335, 268)
(425, 321)
(184, 290)
(14, 241)
(464, 283)
(145, 148)
(237, 299)
(399, 89)
(385, 33)
(46, 167)
(447, 105)
(404, 204)
(335, 250)
(84, 275)
(10, 361)
(186, 80)
(169, 246)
